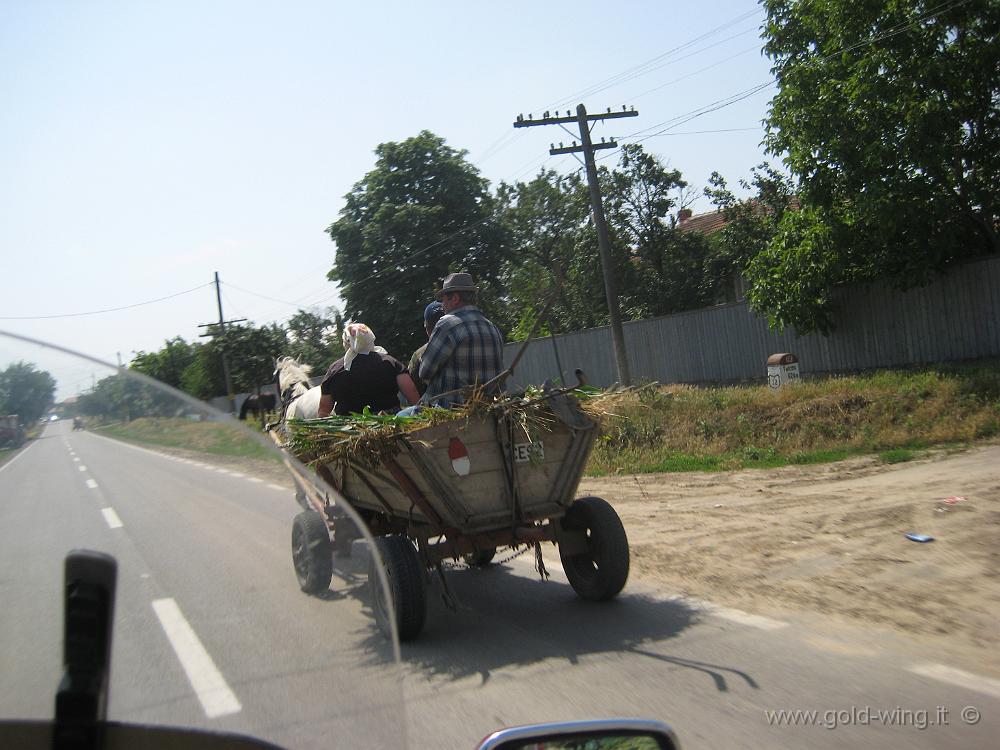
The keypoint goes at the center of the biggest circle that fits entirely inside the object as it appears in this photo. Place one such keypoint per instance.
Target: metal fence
(955, 318)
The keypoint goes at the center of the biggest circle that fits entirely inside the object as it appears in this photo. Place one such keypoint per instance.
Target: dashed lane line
(200, 465)
(216, 697)
(114, 522)
(92, 484)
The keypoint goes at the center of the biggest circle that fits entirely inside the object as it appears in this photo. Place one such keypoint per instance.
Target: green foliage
(887, 115)
(315, 338)
(896, 456)
(122, 398)
(26, 391)
(660, 269)
(751, 224)
(169, 363)
(251, 352)
(423, 211)
(545, 222)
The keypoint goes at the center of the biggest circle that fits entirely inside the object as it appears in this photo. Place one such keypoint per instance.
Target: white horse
(305, 399)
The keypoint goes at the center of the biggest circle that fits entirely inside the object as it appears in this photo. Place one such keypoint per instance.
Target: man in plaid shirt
(465, 348)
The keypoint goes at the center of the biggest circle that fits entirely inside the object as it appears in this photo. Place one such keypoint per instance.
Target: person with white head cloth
(365, 376)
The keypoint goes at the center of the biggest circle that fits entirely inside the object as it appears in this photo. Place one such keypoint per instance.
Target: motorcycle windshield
(242, 605)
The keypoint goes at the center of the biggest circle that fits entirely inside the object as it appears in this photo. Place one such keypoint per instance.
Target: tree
(888, 115)
(544, 220)
(26, 391)
(314, 338)
(751, 224)
(661, 268)
(422, 212)
(252, 353)
(169, 363)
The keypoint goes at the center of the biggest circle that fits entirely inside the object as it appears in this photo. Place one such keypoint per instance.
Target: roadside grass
(217, 438)
(891, 414)
(5, 453)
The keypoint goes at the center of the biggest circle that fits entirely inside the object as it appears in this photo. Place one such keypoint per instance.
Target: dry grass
(216, 438)
(686, 428)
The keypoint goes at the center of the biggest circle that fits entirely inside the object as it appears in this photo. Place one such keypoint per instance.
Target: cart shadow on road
(506, 621)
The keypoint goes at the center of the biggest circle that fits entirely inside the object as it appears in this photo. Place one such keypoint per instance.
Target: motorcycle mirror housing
(601, 734)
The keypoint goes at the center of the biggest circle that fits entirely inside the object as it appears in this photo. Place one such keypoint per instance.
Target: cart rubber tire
(599, 573)
(480, 559)
(405, 576)
(312, 553)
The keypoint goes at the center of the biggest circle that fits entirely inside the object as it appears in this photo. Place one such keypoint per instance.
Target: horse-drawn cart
(505, 474)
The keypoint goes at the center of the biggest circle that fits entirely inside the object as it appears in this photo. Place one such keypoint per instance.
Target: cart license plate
(526, 452)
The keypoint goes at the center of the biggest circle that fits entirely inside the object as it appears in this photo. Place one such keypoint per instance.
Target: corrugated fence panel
(956, 317)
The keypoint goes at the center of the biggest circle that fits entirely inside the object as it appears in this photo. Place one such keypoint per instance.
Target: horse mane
(290, 372)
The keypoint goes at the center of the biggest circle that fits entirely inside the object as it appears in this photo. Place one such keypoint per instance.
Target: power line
(642, 68)
(508, 138)
(696, 72)
(108, 310)
(262, 296)
(746, 93)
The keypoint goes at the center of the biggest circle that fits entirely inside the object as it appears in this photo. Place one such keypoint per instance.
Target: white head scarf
(358, 339)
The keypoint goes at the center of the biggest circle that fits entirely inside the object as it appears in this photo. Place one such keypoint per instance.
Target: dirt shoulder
(830, 539)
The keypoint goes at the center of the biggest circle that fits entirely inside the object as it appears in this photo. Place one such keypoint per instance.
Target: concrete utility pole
(222, 332)
(588, 148)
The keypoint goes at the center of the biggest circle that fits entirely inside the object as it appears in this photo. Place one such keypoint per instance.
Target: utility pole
(222, 332)
(588, 148)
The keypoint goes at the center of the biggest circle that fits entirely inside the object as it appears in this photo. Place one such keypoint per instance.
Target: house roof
(706, 223)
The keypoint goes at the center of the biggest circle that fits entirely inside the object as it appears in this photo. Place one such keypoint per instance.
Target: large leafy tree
(888, 114)
(545, 222)
(660, 268)
(252, 352)
(169, 363)
(751, 224)
(423, 211)
(315, 337)
(26, 391)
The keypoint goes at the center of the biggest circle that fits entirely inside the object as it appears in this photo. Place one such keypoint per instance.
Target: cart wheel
(405, 577)
(479, 559)
(599, 573)
(312, 554)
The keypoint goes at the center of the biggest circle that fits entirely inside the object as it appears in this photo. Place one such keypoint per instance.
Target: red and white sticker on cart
(527, 452)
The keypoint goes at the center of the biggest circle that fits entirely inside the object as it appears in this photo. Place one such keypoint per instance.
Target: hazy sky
(144, 146)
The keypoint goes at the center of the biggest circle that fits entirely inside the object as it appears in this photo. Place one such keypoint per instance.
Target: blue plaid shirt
(465, 349)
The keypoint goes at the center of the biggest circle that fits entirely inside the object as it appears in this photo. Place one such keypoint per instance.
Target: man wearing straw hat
(465, 349)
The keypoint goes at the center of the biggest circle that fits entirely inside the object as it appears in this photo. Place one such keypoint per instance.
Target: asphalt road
(212, 631)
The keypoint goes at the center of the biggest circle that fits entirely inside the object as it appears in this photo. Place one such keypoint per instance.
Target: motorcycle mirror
(603, 734)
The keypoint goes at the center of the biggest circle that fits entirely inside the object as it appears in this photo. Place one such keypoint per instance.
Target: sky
(145, 146)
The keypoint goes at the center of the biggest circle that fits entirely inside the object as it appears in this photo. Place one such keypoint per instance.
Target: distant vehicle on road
(77, 423)
(11, 431)
(54, 418)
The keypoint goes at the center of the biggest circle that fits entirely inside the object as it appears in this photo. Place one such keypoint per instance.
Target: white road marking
(82, 467)
(114, 522)
(958, 677)
(17, 457)
(743, 618)
(92, 484)
(217, 699)
(200, 465)
(76, 458)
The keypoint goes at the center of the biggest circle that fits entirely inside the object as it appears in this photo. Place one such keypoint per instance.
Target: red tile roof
(704, 223)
